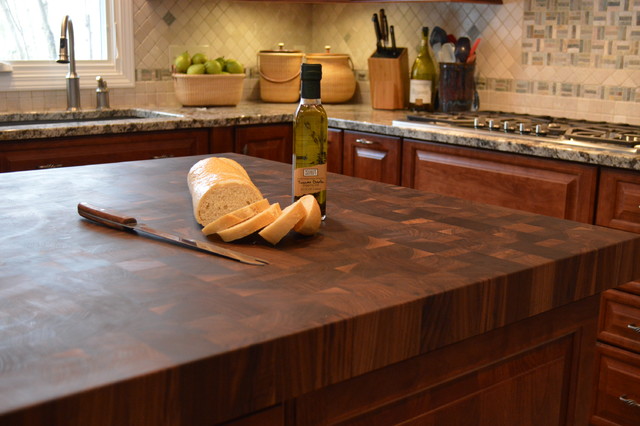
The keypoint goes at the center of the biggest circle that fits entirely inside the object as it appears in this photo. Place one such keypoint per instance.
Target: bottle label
(420, 89)
(309, 180)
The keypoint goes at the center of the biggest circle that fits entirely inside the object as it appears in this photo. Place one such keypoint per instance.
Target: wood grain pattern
(371, 156)
(271, 142)
(102, 327)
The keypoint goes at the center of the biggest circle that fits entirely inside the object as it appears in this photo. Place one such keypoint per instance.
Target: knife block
(389, 81)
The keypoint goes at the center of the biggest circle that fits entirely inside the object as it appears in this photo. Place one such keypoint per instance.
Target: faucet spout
(67, 55)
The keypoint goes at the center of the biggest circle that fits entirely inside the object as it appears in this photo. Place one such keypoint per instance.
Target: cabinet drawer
(371, 156)
(617, 399)
(620, 320)
(619, 200)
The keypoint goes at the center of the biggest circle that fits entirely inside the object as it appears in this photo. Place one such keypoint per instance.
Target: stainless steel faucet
(68, 56)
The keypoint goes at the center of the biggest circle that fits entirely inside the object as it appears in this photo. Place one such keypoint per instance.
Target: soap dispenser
(102, 94)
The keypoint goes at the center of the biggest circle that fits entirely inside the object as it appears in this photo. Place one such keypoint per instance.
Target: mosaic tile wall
(576, 58)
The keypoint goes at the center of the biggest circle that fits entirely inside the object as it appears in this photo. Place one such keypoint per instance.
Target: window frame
(119, 71)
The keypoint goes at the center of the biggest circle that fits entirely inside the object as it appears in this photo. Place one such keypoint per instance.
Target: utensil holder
(457, 87)
(389, 81)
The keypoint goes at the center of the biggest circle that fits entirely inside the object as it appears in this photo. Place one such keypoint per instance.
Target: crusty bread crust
(219, 186)
(310, 223)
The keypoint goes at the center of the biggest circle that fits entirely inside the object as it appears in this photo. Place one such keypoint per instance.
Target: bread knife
(128, 223)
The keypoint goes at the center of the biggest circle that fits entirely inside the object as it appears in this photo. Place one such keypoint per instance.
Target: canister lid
(281, 49)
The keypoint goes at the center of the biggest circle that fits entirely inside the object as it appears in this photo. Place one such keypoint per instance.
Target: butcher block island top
(104, 327)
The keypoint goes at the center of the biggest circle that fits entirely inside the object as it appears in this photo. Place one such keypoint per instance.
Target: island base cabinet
(534, 372)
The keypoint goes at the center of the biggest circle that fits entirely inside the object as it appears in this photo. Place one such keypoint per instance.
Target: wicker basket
(338, 82)
(208, 89)
(279, 75)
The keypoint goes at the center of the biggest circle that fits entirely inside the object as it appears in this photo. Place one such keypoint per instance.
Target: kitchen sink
(89, 116)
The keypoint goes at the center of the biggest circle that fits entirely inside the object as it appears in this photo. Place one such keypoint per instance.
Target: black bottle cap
(311, 72)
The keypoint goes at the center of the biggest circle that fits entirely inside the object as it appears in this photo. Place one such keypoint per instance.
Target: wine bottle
(423, 77)
(310, 139)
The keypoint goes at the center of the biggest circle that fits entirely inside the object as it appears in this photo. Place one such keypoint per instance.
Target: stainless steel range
(581, 133)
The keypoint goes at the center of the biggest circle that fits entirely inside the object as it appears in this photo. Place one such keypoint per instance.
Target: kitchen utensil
(451, 38)
(438, 37)
(393, 40)
(446, 53)
(128, 223)
(472, 54)
(384, 27)
(462, 49)
(376, 27)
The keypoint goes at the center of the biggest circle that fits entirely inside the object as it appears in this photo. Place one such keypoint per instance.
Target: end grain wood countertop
(97, 324)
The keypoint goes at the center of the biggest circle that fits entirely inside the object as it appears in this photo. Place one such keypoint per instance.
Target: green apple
(182, 62)
(233, 67)
(212, 67)
(199, 58)
(196, 69)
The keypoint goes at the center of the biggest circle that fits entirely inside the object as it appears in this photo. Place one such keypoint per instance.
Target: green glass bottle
(424, 77)
(310, 139)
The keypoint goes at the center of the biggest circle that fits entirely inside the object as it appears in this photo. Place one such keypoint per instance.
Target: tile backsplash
(576, 58)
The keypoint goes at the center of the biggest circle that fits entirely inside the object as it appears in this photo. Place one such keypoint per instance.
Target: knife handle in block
(106, 217)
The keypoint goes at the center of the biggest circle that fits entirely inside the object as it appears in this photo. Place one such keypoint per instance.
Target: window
(103, 35)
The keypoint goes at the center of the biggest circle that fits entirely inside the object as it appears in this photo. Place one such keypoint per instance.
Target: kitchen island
(406, 305)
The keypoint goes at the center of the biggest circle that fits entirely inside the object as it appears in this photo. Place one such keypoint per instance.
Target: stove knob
(478, 123)
(508, 127)
(492, 125)
(522, 128)
(540, 130)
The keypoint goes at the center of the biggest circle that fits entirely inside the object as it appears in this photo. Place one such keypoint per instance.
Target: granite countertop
(356, 117)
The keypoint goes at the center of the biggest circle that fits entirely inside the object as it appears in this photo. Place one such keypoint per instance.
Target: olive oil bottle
(310, 139)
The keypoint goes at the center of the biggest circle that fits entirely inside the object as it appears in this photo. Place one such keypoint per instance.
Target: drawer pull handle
(364, 142)
(157, 157)
(630, 402)
(634, 327)
(50, 166)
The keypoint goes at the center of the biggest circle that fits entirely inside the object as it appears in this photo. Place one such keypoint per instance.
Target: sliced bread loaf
(235, 217)
(310, 223)
(280, 227)
(251, 225)
(219, 186)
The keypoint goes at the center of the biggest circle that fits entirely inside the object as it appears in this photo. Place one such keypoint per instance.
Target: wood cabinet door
(334, 150)
(272, 142)
(81, 150)
(549, 187)
(619, 200)
(531, 373)
(371, 156)
(617, 395)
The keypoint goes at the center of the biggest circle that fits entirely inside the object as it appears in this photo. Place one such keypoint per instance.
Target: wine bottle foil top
(311, 71)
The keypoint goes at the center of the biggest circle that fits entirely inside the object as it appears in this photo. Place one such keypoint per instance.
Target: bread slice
(235, 217)
(291, 215)
(310, 223)
(219, 186)
(252, 225)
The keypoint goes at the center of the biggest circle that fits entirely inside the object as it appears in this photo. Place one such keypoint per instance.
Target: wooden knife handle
(109, 218)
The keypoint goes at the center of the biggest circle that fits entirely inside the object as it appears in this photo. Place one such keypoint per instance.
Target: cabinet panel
(334, 151)
(222, 139)
(548, 187)
(63, 152)
(620, 320)
(272, 142)
(371, 156)
(501, 378)
(619, 200)
(617, 400)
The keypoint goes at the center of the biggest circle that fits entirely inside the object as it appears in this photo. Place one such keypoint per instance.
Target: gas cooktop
(587, 134)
